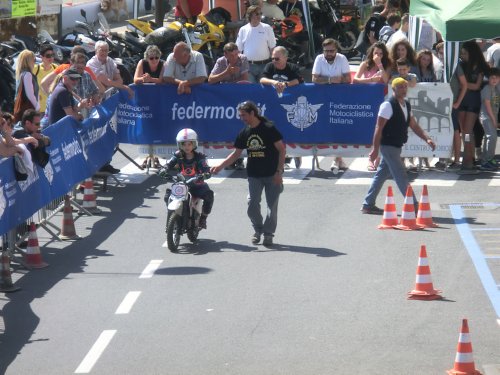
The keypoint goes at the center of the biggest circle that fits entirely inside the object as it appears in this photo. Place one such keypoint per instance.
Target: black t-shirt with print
(290, 72)
(259, 142)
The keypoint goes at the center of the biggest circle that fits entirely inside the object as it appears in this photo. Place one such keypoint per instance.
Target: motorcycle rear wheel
(347, 41)
(174, 232)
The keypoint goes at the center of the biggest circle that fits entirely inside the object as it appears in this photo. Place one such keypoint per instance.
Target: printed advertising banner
(77, 150)
(307, 114)
(23, 8)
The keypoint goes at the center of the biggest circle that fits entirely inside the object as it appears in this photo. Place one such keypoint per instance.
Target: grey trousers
(272, 192)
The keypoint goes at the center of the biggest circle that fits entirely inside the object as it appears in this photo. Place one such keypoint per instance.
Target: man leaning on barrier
(30, 127)
(184, 68)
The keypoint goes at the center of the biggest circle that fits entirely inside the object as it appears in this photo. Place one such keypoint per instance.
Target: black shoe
(372, 210)
(268, 240)
(255, 238)
(109, 169)
(203, 222)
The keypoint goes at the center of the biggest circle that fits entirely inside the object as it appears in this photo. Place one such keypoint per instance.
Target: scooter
(183, 209)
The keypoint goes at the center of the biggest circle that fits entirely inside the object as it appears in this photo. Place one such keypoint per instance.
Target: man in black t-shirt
(265, 167)
(279, 72)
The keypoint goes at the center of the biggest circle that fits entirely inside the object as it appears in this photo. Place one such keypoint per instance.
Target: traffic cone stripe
(424, 217)
(408, 220)
(423, 261)
(464, 338)
(423, 279)
(464, 358)
(33, 257)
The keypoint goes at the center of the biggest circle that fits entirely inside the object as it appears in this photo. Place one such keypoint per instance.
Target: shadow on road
(19, 320)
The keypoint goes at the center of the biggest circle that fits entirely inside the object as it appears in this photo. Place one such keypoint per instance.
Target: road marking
(477, 257)
(483, 229)
(95, 352)
(495, 181)
(150, 269)
(127, 303)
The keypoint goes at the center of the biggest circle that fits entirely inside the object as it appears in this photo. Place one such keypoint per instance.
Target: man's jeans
(390, 165)
(255, 72)
(272, 191)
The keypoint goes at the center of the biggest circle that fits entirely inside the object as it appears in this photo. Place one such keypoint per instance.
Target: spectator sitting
(403, 50)
(29, 128)
(231, 68)
(49, 79)
(8, 144)
(184, 68)
(280, 73)
(106, 69)
(404, 72)
(150, 69)
(62, 102)
(332, 67)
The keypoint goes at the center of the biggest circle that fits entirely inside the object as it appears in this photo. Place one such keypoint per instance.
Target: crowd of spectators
(73, 89)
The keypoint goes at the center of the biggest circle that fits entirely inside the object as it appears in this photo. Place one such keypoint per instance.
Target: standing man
(188, 10)
(391, 133)
(256, 41)
(230, 68)
(329, 68)
(265, 167)
(184, 68)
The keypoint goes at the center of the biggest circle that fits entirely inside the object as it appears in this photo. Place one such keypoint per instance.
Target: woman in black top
(470, 72)
(150, 69)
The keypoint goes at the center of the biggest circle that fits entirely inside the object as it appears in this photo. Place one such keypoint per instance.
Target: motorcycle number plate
(179, 190)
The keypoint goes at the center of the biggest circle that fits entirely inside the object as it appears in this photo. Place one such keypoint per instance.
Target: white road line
(127, 303)
(95, 352)
(495, 181)
(150, 269)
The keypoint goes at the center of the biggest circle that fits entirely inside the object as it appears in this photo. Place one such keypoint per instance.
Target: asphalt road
(328, 298)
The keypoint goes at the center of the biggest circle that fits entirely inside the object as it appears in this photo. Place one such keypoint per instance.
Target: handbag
(21, 102)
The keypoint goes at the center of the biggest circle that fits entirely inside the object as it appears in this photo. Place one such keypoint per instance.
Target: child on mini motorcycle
(190, 163)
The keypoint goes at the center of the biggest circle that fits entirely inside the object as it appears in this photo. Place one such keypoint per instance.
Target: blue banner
(305, 114)
(77, 150)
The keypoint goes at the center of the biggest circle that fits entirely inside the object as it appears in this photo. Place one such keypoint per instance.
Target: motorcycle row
(207, 36)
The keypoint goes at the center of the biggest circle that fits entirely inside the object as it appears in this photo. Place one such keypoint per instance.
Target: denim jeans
(490, 139)
(390, 165)
(272, 192)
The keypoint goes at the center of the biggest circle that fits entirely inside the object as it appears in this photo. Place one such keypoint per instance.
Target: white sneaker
(335, 167)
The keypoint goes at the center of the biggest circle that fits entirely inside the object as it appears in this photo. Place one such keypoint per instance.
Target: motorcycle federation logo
(302, 114)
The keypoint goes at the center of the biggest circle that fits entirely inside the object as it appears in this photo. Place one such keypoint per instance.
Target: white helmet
(187, 134)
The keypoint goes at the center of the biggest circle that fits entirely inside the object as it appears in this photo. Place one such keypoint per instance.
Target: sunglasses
(49, 55)
(154, 58)
(275, 58)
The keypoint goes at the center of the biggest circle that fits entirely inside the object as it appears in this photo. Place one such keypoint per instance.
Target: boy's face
(493, 80)
(403, 70)
(187, 146)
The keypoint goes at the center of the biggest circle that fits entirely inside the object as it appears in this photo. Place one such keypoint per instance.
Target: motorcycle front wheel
(192, 234)
(174, 231)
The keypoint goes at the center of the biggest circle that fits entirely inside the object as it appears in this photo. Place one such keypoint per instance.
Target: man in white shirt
(184, 68)
(270, 9)
(256, 40)
(401, 34)
(492, 56)
(332, 67)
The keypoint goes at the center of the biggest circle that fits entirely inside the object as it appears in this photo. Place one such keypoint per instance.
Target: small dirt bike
(183, 209)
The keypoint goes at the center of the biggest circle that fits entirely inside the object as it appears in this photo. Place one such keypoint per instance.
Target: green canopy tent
(458, 20)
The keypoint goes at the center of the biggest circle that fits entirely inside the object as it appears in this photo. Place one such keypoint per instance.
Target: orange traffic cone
(424, 290)
(89, 199)
(408, 220)
(424, 216)
(390, 217)
(6, 285)
(464, 362)
(68, 231)
(32, 256)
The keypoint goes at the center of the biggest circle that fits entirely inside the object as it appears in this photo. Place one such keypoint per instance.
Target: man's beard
(330, 59)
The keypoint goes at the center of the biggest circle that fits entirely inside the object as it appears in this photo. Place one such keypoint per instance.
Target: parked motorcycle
(205, 37)
(183, 209)
(22, 42)
(8, 81)
(329, 21)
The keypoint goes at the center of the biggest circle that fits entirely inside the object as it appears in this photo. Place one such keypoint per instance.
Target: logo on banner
(3, 202)
(49, 173)
(302, 114)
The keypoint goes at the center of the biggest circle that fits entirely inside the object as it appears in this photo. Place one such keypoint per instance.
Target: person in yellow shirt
(42, 70)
